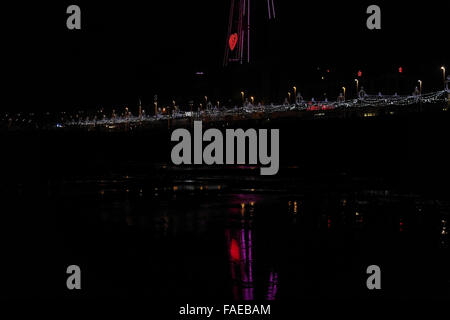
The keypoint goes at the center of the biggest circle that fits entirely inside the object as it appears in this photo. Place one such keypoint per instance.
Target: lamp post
(295, 91)
(443, 74)
(420, 94)
(289, 97)
(191, 105)
(343, 88)
(242, 96)
(357, 86)
(252, 99)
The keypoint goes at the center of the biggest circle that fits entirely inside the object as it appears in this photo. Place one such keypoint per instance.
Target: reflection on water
(241, 253)
(243, 240)
(241, 263)
(444, 233)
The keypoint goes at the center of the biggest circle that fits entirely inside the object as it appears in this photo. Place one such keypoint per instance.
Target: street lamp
(357, 86)
(295, 91)
(155, 100)
(252, 99)
(443, 73)
(191, 105)
(420, 86)
(343, 88)
(243, 96)
(289, 97)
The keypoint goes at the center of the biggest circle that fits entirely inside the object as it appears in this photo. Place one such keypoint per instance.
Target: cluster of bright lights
(367, 101)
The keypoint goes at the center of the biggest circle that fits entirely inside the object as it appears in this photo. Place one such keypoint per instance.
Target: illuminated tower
(237, 47)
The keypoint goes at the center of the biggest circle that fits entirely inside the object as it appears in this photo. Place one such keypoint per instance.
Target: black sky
(129, 50)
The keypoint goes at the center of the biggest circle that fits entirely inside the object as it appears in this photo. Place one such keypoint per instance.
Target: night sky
(132, 50)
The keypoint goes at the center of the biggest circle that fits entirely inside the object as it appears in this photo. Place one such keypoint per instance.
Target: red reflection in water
(240, 248)
(234, 250)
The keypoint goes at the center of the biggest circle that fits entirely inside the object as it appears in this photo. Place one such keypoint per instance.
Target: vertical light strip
(273, 9)
(248, 33)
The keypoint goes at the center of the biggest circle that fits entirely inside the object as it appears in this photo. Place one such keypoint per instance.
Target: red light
(359, 73)
(328, 70)
(234, 251)
(400, 69)
(233, 41)
(313, 108)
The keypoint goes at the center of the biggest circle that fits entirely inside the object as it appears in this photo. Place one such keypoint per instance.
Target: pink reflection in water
(240, 252)
(273, 286)
(240, 248)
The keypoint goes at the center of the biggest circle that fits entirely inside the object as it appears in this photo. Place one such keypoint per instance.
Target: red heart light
(233, 41)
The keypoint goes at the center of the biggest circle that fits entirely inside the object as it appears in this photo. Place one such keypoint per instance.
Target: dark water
(349, 194)
(215, 237)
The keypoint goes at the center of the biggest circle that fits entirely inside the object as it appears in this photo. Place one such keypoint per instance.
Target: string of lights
(249, 109)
